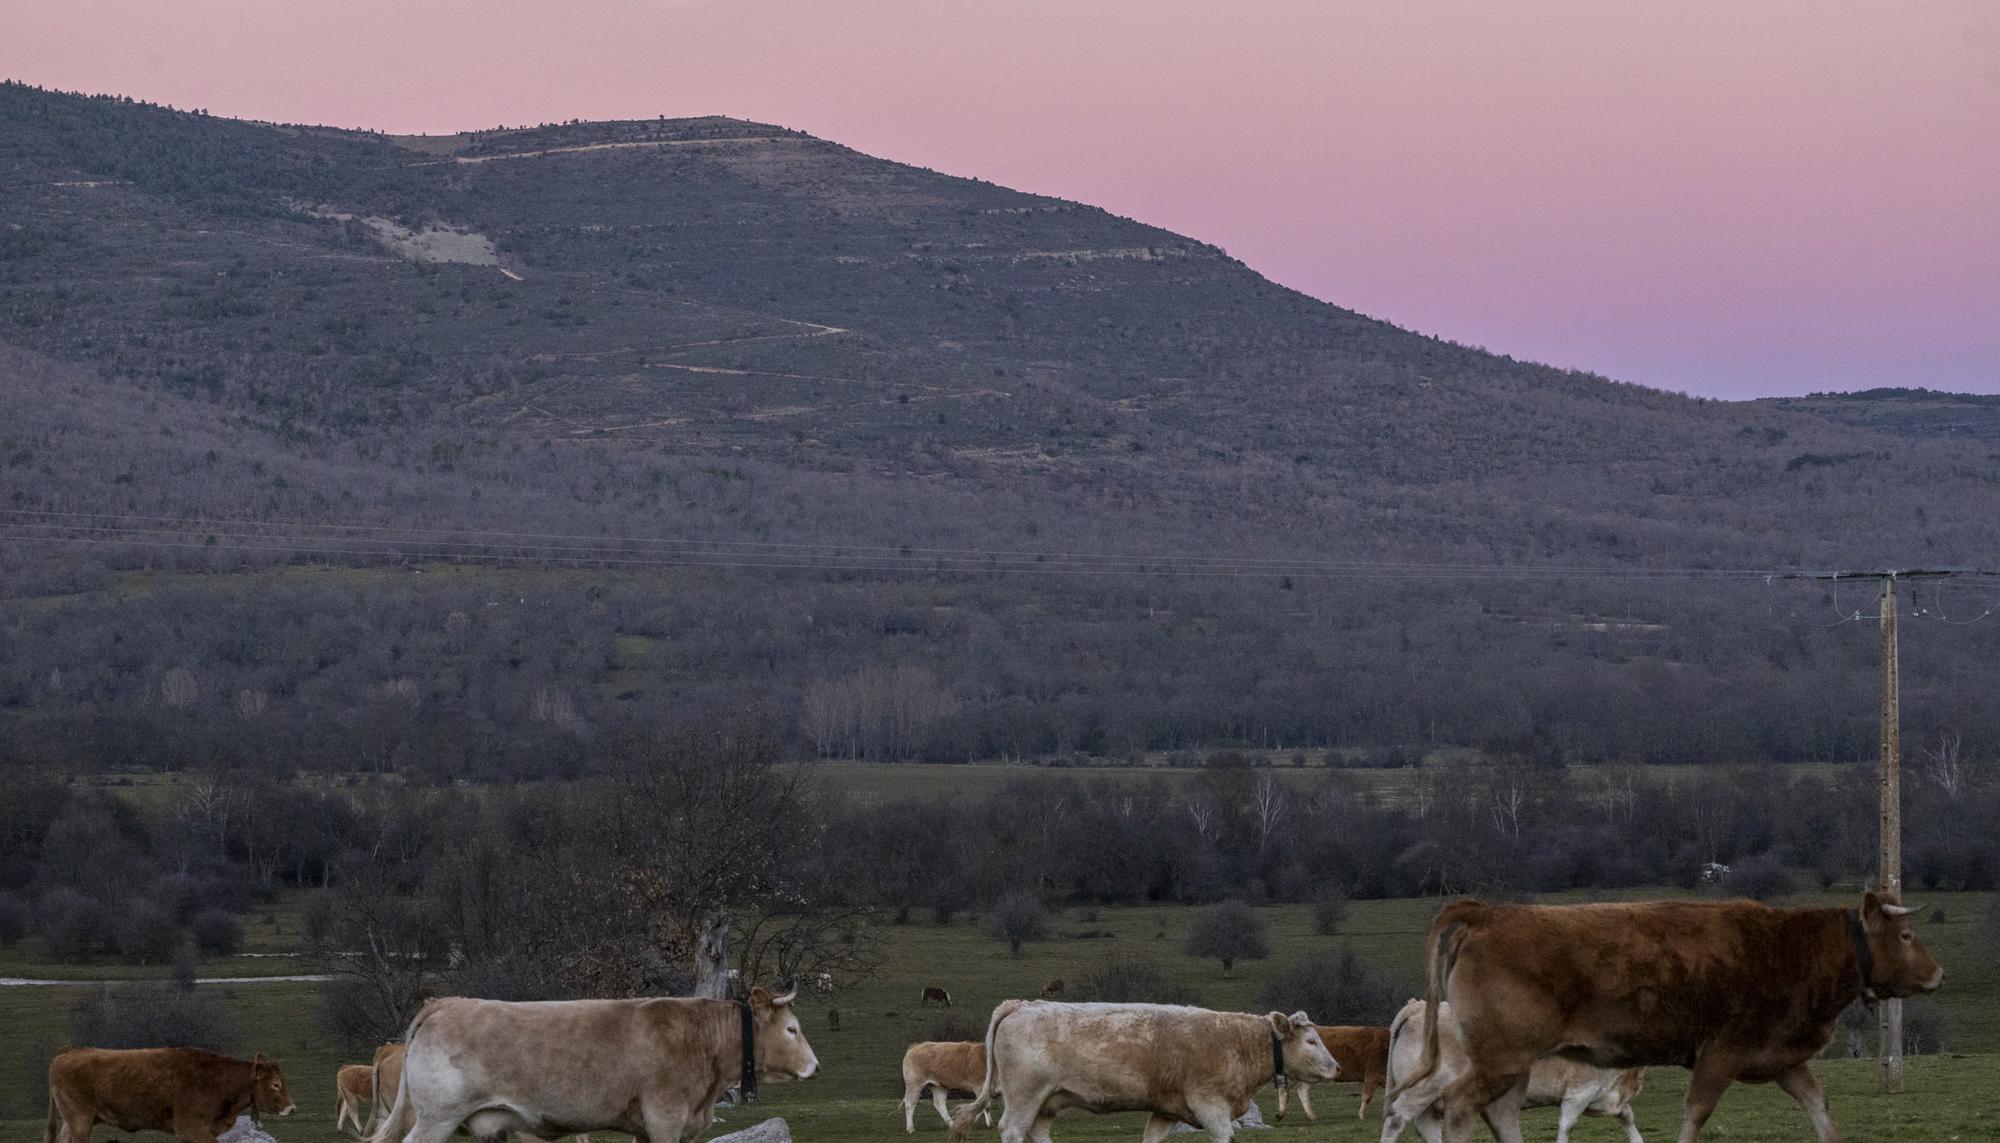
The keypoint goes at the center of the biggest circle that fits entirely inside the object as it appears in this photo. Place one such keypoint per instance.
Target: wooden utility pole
(1889, 863)
(1889, 856)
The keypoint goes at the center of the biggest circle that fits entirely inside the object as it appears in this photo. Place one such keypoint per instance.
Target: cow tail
(961, 1123)
(1446, 933)
(396, 1123)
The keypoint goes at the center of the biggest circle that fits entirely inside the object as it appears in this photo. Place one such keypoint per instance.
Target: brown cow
(1184, 1065)
(1053, 988)
(943, 1066)
(1732, 990)
(353, 1089)
(1577, 1089)
(559, 1067)
(934, 995)
(194, 1094)
(1363, 1055)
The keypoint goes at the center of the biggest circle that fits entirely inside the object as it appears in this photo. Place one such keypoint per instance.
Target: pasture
(1950, 1097)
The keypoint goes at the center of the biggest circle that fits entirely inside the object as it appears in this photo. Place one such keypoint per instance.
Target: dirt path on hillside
(579, 149)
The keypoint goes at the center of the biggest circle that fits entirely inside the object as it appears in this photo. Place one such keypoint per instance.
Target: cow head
(782, 1051)
(1306, 1057)
(1903, 966)
(267, 1087)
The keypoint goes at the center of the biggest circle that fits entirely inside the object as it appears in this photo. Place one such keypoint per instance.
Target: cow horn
(1897, 910)
(785, 1000)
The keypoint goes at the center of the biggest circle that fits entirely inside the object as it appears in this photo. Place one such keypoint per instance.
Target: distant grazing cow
(935, 995)
(942, 1066)
(1184, 1065)
(1363, 1055)
(194, 1094)
(353, 1090)
(556, 1068)
(1578, 1089)
(1053, 988)
(1732, 990)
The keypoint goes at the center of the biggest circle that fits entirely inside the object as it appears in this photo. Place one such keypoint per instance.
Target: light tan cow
(943, 1066)
(388, 1081)
(1577, 1088)
(1362, 1051)
(354, 1089)
(1184, 1065)
(194, 1094)
(654, 1067)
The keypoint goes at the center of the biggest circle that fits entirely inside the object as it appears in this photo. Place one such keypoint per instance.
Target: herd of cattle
(1526, 1005)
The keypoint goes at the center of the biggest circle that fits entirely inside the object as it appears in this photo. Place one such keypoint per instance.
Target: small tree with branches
(1228, 932)
(1017, 919)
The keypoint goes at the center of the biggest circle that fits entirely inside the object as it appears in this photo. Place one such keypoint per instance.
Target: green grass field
(1950, 1097)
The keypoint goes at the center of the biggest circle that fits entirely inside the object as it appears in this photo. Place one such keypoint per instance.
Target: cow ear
(760, 998)
(1281, 1024)
(1871, 905)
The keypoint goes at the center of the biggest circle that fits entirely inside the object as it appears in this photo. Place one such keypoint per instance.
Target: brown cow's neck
(1837, 975)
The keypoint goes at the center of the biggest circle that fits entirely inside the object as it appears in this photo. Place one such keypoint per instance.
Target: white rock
(245, 1131)
(769, 1131)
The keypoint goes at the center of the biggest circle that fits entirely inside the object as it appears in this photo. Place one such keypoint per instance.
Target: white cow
(551, 1068)
(1184, 1065)
(1578, 1089)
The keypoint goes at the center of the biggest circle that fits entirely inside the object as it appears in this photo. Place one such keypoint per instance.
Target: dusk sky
(1727, 198)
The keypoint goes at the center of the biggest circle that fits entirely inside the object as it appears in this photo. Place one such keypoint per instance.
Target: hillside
(776, 350)
(1906, 412)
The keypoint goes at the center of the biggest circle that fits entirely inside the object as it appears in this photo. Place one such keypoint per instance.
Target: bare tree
(1272, 803)
(1228, 932)
(803, 945)
(1017, 919)
(1944, 765)
(704, 827)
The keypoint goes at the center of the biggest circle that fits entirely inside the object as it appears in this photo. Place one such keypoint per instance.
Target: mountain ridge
(713, 330)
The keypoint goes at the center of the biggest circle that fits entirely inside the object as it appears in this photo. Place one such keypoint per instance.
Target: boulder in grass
(769, 1131)
(245, 1130)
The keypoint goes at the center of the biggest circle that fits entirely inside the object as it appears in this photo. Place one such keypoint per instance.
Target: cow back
(1651, 983)
(574, 1065)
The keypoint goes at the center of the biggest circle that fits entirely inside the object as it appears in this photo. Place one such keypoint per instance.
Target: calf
(1363, 1055)
(194, 1094)
(353, 1089)
(942, 1066)
(1732, 990)
(1184, 1065)
(1578, 1089)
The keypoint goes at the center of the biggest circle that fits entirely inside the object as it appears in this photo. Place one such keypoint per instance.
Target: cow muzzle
(1936, 981)
(287, 1110)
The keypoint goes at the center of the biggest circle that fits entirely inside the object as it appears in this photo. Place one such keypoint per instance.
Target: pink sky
(1727, 198)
